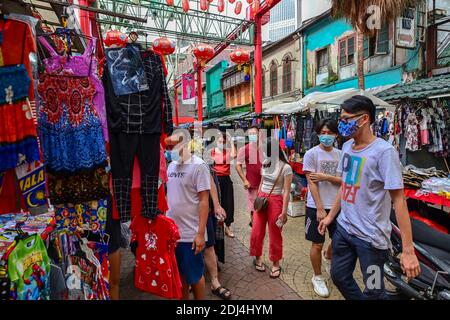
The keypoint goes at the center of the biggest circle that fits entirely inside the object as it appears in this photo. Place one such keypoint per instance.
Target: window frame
(345, 40)
(318, 52)
(273, 79)
(287, 74)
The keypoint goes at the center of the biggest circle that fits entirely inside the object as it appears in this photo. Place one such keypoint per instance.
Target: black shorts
(211, 226)
(311, 227)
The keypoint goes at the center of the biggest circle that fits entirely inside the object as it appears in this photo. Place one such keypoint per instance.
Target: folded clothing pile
(414, 177)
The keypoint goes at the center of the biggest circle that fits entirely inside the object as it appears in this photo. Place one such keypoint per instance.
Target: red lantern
(210, 1)
(232, 1)
(238, 7)
(163, 46)
(115, 39)
(204, 4)
(240, 57)
(203, 52)
(249, 1)
(221, 5)
(255, 6)
(185, 5)
(169, 2)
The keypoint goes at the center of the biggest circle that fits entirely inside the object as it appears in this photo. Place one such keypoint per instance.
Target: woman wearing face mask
(320, 164)
(222, 157)
(275, 186)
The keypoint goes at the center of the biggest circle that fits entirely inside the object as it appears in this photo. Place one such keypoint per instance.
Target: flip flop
(222, 292)
(261, 266)
(275, 271)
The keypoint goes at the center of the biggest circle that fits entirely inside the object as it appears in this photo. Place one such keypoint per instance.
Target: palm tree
(355, 11)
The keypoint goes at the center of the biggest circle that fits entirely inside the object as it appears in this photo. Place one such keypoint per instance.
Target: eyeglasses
(347, 119)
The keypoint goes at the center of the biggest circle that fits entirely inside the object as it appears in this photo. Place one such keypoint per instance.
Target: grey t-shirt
(269, 176)
(318, 160)
(367, 177)
(186, 180)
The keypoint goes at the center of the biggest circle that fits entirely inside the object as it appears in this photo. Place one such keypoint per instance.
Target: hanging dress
(18, 138)
(70, 128)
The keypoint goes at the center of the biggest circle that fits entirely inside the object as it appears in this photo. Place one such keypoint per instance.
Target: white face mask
(220, 145)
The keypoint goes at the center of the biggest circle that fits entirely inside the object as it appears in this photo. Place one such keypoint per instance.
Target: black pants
(124, 148)
(227, 198)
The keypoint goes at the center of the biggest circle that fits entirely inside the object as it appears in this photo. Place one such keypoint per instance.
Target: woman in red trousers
(276, 187)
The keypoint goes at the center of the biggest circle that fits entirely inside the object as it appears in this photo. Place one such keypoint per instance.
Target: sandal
(222, 293)
(229, 233)
(275, 271)
(259, 267)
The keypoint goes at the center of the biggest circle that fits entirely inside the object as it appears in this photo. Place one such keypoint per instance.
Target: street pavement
(238, 273)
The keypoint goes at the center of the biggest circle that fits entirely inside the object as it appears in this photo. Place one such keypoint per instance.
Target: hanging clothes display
(156, 266)
(136, 120)
(70, 127)
(18, 138)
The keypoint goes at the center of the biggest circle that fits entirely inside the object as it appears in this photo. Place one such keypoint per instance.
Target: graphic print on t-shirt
(352, 168)
(328, 167)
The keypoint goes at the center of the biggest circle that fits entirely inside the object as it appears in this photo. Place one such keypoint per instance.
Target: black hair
(360, 104)
(329, 123)
(281, 154)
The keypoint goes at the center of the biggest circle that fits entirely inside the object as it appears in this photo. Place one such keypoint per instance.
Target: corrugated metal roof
(419, 89)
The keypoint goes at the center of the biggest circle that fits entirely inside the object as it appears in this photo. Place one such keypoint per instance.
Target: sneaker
(326, 263)
(320, 286)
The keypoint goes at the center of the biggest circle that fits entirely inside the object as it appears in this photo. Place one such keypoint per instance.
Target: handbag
(260, 203)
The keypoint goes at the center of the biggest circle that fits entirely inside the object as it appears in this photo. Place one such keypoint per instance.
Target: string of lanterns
(204, 4)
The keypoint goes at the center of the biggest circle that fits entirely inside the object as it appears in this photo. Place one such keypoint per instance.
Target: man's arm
(332, 214)
(317, 177)
(321, 213)
(408, 260)
(241, 174)
(199, 240)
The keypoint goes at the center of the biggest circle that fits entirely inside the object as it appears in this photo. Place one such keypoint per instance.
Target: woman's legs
(258, 235)
(274, 210)
(227, 199)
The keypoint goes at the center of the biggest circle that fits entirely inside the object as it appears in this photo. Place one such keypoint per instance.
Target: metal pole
(199, 92)
(176, 105)
(100, 11)
(258, 64)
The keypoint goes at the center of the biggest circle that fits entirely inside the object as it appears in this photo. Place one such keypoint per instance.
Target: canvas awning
(324, 100)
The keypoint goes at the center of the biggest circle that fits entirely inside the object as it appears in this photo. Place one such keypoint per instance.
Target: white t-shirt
(269, 176)
(318, 160)
(185, 182)
(367, 177)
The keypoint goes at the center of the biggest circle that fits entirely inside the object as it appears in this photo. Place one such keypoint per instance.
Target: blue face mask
(348, 129)
(253, 138)
(174, 155)
(327, 140)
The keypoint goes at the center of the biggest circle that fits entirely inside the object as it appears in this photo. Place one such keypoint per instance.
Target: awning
(324, 100)
(419, 89)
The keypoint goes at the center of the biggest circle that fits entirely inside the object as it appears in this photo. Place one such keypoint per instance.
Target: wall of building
(379, 69)
(214, 94)
(291, 49)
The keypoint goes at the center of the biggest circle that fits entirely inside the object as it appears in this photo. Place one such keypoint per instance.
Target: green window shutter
(366, 47)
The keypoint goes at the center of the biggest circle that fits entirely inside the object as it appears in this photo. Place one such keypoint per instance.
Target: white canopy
(324, 100)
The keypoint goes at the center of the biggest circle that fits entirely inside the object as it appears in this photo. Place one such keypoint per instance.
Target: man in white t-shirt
(320, 165)
(188, 199)
(371, 181)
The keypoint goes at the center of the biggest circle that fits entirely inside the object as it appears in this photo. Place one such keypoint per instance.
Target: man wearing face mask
(371, 181)
(251, 157)
(320, 165)
(188, 186)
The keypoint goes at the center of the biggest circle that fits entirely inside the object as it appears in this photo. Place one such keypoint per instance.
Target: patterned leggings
(124, 147)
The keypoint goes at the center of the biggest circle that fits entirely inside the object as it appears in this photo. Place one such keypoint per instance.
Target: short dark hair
(254, 126)
(360, 103)
(329, 123)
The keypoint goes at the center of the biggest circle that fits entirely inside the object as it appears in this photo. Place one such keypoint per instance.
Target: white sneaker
(326, 263)
(320, 286)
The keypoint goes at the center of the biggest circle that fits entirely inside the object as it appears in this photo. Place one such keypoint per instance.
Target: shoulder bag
(261, 203)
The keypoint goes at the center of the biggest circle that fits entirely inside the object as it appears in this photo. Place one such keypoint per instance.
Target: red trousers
(260, 220)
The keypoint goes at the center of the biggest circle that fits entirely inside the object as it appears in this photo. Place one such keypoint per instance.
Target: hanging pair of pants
(227, 198)
(348, 248)
(260, 220)
(123, 149)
